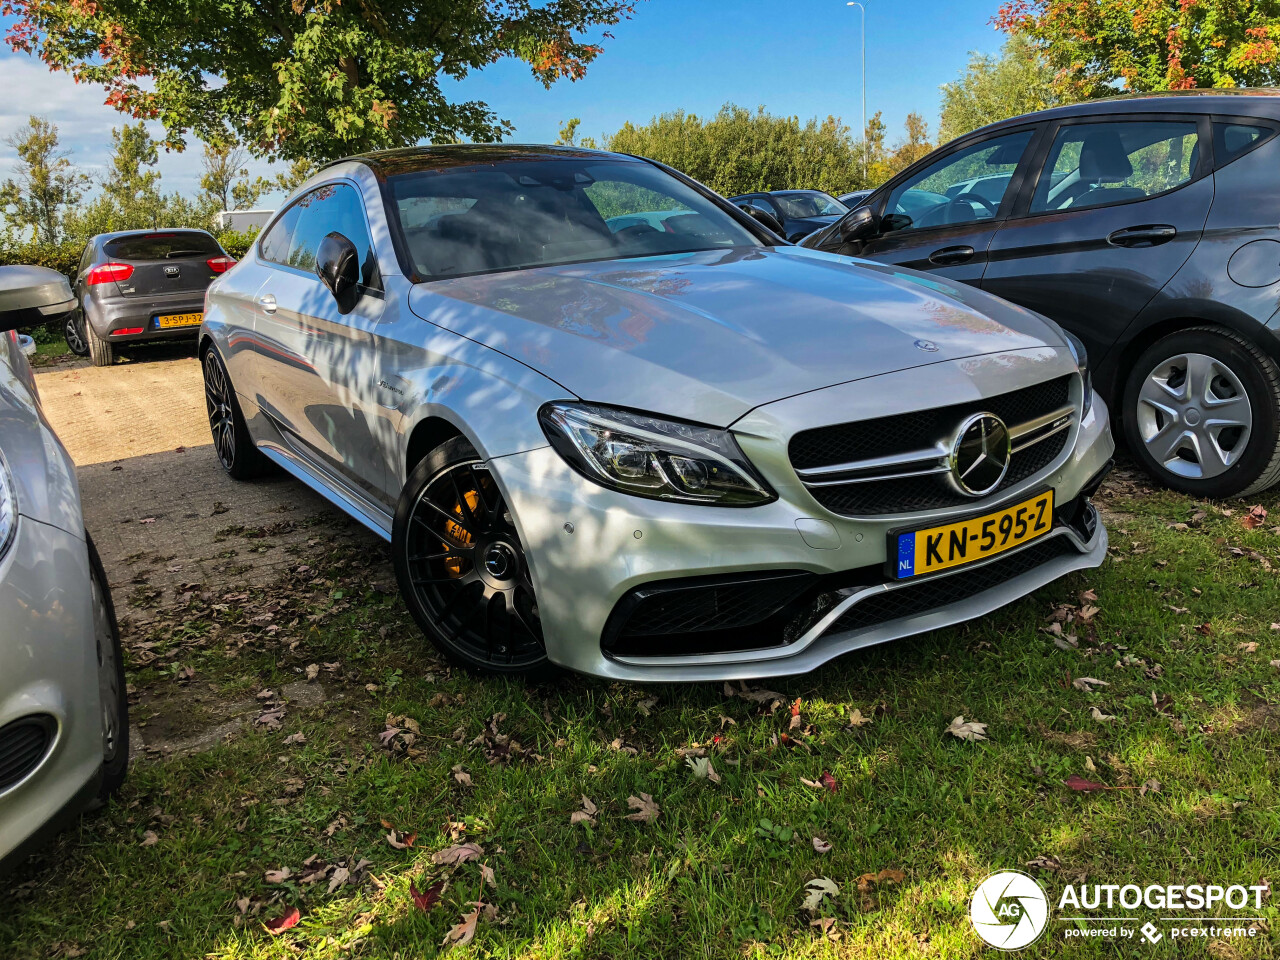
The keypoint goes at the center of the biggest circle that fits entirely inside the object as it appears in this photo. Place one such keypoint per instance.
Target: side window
(274, 246)
(1232, 140)
(963, 187)
(85, 258)
(334, 207)
(1092, 164)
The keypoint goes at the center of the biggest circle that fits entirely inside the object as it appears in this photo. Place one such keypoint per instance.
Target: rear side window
(168, 245)
(331, 208)
(1093, 164)
(1233, 140)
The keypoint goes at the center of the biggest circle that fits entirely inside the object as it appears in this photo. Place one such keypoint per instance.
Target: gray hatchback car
(141, 285)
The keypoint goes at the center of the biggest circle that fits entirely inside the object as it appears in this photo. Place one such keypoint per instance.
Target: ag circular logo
(1009, 910)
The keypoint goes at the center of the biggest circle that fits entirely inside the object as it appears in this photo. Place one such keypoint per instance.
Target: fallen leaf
(817, 890)
(277, 876)
(824, 924)
(461, 775)
(1249, 647)
(586, 815)
(294, 738)
(1090, 765)
(1079, 783)
(149, 839)
(1088, 612)
(644, 706)
(887, 875)
(856, 719)
(795, 715)
(829, 782)
(1151, 786)
(394, 839)
(426, 899)
(1088, 683)
(1099, 715)
(281, 924)
(821, 846)
(967, 731)
(338, 878)
(313, 671)
(486, 874)
(646, 811)
(1045, 862)
(462, 933)
(458, 853)
(1255, 518)
(702, 769)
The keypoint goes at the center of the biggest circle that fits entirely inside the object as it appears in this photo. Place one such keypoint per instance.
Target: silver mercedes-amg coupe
(610, 422)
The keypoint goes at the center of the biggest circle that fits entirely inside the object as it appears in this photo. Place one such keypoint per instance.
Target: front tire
(1202, 413)
(101, 352)
(73, 331)
(462, 569)
(231, 441)
(113, 695)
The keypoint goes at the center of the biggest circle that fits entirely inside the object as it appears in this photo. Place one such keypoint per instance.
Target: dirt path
(159, 506)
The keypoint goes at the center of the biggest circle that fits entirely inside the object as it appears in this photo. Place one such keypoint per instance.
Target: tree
(314, 79)
(225, 183)
(1098, 46)
(299, 172)
(569, 133)
(130, 198)
(991, 88)
(913, 146)
(47, 182)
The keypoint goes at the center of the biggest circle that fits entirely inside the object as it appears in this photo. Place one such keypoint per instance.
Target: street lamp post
(865, 145)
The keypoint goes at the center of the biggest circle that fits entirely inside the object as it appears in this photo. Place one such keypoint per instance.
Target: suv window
(166, 245)
(1092, 164)
(963, 187)
(1232, 140)
(274, 245)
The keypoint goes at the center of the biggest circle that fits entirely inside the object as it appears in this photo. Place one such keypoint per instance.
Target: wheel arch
(427, 434)
(1170, 318)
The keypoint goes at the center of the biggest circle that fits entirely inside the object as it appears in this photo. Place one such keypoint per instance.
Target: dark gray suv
(1148, 226)
(141, 285)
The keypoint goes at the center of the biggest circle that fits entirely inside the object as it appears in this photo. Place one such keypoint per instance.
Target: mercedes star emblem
(980, 454)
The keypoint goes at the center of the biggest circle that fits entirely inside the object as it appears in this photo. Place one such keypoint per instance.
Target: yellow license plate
(919, 552)
(180, 320)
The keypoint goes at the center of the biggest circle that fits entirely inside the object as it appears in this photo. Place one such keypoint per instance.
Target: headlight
(8, 509)
(1082, 361)
(650, 457)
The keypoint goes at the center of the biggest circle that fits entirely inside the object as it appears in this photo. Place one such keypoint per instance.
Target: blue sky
(799, 57)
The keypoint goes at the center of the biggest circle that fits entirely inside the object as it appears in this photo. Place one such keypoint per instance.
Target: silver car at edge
(682, 450)
(63, 708)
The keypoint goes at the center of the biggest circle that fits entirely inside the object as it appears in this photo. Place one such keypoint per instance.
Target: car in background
(798, 212)
(1149, 227)
(646, 454)
(855, 197)
(141, 285)
(64, 730)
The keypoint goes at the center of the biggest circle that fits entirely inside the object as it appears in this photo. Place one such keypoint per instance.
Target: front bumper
(589, 548)
(49, 675)
(112, 314)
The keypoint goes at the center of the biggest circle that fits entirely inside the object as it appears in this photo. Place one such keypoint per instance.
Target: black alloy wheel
(461, 566)
(231, 441)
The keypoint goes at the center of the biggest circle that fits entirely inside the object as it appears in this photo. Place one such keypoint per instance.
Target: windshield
(797, 206)
(504, 216)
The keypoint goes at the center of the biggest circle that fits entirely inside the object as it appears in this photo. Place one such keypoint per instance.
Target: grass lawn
(399, 763)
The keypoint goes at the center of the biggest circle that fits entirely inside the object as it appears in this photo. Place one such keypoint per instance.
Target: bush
(63, 257)
(238, 242)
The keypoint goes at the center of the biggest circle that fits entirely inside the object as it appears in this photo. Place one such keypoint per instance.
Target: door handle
(1147, 235)
(951, 255)
(267, 302)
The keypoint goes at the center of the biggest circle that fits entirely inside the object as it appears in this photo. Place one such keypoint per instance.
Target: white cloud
(84, 123)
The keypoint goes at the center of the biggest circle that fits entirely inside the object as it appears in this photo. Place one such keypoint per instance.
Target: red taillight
(109, 273)
(221, 264)
(126, 331)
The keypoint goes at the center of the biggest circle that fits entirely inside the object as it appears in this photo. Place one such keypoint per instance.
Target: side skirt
(346, 500)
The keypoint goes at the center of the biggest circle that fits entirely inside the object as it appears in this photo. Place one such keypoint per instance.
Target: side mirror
(338, 266)
(858, 224)
(764, 219)
(30, 296)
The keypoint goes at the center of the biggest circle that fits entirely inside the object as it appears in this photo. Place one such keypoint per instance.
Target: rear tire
(231, 440)
(102, 353)
(113, 694)
(1202, 413)
(461, 567)
(73, 331)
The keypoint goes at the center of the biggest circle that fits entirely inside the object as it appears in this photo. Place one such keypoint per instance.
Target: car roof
(390, 163)
(1251, 101)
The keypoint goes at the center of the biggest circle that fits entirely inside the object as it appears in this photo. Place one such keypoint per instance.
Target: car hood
(708, 336)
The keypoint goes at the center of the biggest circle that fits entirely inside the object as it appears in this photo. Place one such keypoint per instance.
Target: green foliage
(63, 257)
(238, 242)
(308, 80)
(995, 88)
(225, 183)
(47, 182)
(1095, 46)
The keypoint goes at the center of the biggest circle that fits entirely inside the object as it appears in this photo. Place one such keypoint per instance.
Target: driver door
(942, 218)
